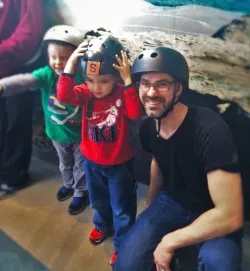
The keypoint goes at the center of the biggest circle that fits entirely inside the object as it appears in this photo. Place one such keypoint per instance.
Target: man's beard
(157, 107)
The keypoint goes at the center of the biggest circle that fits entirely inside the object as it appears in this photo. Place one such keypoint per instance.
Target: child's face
(58, 56)
(101, 85)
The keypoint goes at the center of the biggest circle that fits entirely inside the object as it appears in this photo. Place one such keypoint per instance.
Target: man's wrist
(168, 243)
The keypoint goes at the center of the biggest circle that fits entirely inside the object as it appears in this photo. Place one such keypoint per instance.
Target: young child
(107, 108)
(62, 122)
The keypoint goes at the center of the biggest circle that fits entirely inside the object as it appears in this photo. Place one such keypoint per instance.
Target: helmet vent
(140, 56)
(66, 31)
(104, 45)
(91, 45)
(154, 55)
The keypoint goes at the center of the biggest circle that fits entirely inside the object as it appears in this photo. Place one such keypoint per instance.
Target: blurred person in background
(21, 32)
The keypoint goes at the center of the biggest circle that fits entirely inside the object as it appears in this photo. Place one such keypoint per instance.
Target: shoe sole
(78, 211)
(97, 242)
(65, 198)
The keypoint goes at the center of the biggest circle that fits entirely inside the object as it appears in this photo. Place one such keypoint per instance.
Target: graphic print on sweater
(59, 110)
(102, 125)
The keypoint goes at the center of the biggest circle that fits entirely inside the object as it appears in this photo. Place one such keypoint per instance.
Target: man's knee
(135, 261)
(217, 259)
(123, 264)
(136, 252)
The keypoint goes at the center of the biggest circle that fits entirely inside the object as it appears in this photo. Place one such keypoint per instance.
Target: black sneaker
(78, 204)
(7, 188)
(64, 193)
(6, 191)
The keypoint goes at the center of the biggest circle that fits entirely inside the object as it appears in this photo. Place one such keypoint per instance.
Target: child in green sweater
(62, 122)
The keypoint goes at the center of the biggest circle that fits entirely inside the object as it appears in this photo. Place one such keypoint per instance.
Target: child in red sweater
(107, 108)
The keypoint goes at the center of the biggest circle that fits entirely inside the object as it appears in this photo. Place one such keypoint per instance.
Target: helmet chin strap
(166, 112)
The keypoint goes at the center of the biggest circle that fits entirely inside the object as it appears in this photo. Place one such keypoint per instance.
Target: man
(195, 194)
(21, 31)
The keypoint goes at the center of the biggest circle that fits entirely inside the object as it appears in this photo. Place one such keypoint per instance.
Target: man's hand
(124, 68)
(72, 61)
(163, 255)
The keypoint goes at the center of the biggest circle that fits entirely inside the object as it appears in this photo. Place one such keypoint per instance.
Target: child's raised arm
(124, 68)
(72, 61)
(67, 92)
(133, 107)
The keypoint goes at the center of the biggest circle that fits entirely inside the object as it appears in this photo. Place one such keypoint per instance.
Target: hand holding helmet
(71, 64)
(101, 54)
(124, 68)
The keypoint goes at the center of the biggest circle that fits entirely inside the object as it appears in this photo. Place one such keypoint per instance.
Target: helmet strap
(174, 101)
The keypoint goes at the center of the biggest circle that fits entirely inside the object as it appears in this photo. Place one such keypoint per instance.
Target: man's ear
(179, 88)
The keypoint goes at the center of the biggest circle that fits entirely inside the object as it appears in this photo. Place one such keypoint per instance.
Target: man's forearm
(156, 181)
(224, 218)
(211, 224)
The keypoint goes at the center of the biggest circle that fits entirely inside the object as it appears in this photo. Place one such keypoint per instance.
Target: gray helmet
(161, 59)
(64, 33)
(100, 56)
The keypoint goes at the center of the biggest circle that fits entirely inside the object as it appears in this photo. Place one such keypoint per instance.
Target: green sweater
(62, 122)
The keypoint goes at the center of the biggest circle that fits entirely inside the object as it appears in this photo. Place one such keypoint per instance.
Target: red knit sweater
(105, 135)
(21, 31)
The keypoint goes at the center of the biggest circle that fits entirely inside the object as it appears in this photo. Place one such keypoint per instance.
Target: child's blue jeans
(112, 193)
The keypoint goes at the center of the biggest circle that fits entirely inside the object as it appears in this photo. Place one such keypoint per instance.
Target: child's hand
(72, 61)
(124, 68)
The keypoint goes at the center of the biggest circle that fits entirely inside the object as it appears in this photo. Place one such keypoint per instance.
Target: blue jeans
(163, 216)
(112, 193)
(70, 164)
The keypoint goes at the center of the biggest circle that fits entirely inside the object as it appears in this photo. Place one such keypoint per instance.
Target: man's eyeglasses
(161, 86)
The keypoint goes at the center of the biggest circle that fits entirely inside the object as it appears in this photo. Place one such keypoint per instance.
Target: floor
(41, 226)
(14, 258)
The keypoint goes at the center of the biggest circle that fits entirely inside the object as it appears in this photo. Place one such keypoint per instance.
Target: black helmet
(166, 60)
(161, 59)
(100, 56)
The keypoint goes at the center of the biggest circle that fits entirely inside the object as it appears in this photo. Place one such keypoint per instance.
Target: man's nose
(152, 91)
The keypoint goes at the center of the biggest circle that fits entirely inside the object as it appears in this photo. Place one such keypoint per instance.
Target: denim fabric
(163, 216)
(112, 193)
(71, 166)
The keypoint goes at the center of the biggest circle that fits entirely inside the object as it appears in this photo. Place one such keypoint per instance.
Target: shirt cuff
(129, 86)
(68, 74)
